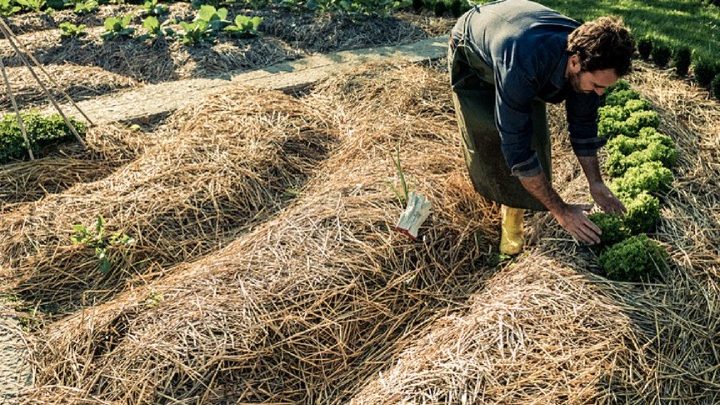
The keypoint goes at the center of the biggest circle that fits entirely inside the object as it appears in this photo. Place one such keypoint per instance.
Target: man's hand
(605, 199)
(573, 219)
(570, 216)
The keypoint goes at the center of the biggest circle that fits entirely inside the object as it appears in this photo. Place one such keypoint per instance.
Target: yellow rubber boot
(511, 235)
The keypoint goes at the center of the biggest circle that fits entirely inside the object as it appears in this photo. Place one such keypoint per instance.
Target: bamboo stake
(17, 111)
(9, 36)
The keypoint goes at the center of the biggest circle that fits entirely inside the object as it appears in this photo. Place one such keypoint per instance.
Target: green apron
(474, 98)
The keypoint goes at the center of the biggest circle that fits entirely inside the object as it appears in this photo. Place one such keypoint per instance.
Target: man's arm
(599, 191)
(570, 216)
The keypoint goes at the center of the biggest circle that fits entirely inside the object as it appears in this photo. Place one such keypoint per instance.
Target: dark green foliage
(42, 131)
(440, 8)
(643, 212)
(681, 60)
(634, 259)
(652, 177)
(621, 84)
(418, 5)
(661, 54)
(715, 86)
(612, 226)
(705, 71)
(620, 97)
(645, 46)
(457, 8)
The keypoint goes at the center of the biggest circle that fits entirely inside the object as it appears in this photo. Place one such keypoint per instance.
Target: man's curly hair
(604, 43)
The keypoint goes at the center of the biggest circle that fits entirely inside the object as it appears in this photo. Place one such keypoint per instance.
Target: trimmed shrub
(715, 86)
(681, 60)
(440, 8)
(643, 213)
(645, 46)
(634, 259)
(661, 54)
(458, 7)
(704, 71)
(612, 226)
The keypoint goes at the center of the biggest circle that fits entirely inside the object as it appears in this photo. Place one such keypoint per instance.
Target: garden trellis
(29, 60)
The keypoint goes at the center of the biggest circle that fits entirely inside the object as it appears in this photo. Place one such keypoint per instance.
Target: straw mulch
(215, 171)
(79, 82)
(312, 300)
(539, 333)
(107, 147)
(287, 35)
(547, 331)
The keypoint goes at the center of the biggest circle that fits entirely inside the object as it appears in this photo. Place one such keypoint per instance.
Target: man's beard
(574, 80)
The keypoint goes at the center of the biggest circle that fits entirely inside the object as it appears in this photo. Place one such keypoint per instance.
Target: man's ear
(574, 64)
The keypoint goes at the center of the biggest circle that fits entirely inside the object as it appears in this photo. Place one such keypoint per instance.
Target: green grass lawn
(678, 22)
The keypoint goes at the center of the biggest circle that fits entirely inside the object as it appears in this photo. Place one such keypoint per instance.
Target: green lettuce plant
(116, 27)
(612, 226)
(651, 177)
(71, 30)
(634, 259)
(643, 213)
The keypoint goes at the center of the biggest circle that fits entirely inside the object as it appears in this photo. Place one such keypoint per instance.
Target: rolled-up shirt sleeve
(582, 111)
(514, 93)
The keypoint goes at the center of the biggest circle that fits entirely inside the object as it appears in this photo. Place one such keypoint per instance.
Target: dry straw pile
(79, 82)
(213, 172)
(545, 331)
(320, 302)
(311, 301)
(108, 147)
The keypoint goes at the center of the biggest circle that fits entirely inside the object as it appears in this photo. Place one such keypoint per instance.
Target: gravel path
(14, 369)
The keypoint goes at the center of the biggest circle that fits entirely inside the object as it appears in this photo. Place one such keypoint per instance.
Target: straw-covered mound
(107, 147)
(80, 82)
(216, 170)
(547, 331)
(539, 333)
(312, 300)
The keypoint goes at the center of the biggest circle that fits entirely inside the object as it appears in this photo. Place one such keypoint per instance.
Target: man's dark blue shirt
(525, 45)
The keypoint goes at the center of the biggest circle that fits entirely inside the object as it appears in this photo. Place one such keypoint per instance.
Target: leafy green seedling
(8, 8)
(32, 5)
(86, 7)
(154, 8)
(71, 30)
(116, 27)
(216, 19)
(95, 238)
(612, 226)
(244, 26)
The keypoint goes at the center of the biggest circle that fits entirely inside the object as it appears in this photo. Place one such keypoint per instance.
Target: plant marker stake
(9, 36)
(42, 69)
(17, 111)
(417, 211)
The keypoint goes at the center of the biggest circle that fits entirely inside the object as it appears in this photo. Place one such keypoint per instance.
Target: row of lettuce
(638, 162)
